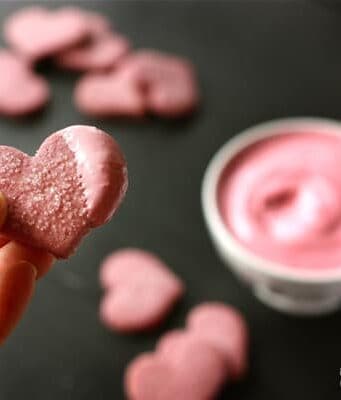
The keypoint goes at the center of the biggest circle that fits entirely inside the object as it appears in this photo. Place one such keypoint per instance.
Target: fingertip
(4, 240)
(17, 282)
(24, 269)
(14, 252)
(42, 261)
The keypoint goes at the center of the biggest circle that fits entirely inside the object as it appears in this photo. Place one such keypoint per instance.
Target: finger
(3, 209)
(4, 240)
(14, 252)
(3, 214)
(16, 287)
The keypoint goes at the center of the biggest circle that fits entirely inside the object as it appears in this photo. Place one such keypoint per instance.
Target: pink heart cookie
(140, 290)
(168, 341)
(225, 328)
(188, 369)
(106, 95)
(146, 81)
(36, 32)
(168, 82)
(102, 52)
(75, 182)
(21, 91)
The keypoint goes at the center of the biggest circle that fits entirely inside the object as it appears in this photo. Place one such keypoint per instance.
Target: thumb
(16, 288)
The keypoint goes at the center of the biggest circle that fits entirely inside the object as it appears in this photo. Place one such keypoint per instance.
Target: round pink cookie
(140, 290)
(108, 95)
(223, 327)
(22, 92)
(36, 32)
(75, 182)
(103, 52)
(193, 370)
(168, 82)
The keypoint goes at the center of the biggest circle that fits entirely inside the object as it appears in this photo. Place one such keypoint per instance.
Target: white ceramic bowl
(284, 288)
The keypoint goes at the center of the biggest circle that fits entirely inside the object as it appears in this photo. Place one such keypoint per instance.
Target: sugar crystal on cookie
(47, 196)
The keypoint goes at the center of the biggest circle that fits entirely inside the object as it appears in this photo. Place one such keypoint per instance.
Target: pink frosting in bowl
(280, 197)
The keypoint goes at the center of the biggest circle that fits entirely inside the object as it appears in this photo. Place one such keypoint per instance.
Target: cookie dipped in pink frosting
(75, 182)
(281, 198)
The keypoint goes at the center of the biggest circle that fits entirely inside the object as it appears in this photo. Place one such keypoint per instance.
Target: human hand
(20, 267)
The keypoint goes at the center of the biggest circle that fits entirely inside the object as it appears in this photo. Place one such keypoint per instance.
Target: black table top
(256, 60)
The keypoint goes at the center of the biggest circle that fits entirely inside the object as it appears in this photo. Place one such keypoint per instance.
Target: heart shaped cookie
(145, 81)
(167, 82)
(21, 91)
(36, 32)
(225, 329)
(75, 182)
(106, 95)
(102, 52)
(187, 369)
(140, 290)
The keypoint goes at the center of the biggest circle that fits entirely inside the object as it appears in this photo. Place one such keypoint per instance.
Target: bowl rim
(212, 216)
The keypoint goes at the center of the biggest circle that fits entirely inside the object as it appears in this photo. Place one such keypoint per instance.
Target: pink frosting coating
(99, 160)
(281, 198)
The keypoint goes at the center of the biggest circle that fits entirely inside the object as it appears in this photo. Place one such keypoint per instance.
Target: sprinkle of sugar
(49, 187)
(57, 196)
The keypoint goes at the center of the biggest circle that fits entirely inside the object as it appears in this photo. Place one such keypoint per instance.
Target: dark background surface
(256, 60)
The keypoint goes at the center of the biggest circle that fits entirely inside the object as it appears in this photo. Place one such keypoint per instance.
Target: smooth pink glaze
(97, 157)
(281, 198)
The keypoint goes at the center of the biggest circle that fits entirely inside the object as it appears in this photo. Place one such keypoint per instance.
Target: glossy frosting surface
(101, 167)
(281, 198)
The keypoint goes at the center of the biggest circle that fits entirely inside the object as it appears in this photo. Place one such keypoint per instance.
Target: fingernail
(34, 269)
